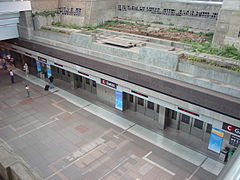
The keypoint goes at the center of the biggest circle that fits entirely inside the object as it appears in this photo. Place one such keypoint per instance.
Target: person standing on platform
(12, 61)
(51, 82)
(27, 89)
(11, 74)
(25, 68)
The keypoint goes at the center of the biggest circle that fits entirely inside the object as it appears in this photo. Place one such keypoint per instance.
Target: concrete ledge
(19, 171)
(12, 167)
(6, 159)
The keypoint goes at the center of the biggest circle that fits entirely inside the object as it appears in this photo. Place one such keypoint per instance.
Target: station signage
(231, 128)
(234, 140)
(41, 59)
(109, 83)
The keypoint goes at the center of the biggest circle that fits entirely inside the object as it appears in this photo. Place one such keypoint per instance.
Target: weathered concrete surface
(190, 14)
(197, 15)
(44, 5)
(7, 158)
(19, 171)
(228, 25)
(12, 166)
(25, 27)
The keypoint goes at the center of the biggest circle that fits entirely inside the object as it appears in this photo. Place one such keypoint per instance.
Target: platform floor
(63, 136)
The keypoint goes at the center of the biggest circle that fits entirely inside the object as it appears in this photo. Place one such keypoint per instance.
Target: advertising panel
(119, 100)
(49, 71)
(215, 141)
(38, 66)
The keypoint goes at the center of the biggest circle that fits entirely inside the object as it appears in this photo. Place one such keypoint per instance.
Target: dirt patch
(169, 34)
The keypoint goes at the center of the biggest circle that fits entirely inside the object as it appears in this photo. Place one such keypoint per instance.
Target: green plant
(214, 64)
(157, 22)
(233, 68)
(195, 59)
(54, 30)
(184, 29)
(228, 51)
(45, 13)
(72, 26)
(89, 28)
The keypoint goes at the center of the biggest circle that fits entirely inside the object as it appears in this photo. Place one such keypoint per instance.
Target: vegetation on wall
(72, 26)
(105, 25)
(212, 63)
(200, 42)
(205, 47)
(54, 30)
(45, 13)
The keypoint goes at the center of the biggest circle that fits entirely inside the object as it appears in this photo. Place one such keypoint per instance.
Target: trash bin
(223, 155)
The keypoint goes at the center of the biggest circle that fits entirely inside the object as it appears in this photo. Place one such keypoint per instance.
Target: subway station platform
(63, 136)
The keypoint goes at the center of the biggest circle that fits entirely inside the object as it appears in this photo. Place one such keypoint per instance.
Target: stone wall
(196, 15)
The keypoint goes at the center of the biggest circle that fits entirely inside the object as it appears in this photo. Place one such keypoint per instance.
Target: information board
(234, 140)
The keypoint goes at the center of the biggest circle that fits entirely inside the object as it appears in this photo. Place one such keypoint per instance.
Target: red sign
(109, 83)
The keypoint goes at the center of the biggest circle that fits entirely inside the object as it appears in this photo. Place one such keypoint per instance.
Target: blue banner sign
(49, 71)
(38, 66)
(215, 141)
(119, 100)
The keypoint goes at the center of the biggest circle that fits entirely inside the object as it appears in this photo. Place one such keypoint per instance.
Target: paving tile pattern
(61, 140)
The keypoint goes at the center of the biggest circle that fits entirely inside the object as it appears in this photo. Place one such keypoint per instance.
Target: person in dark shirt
(51, 82)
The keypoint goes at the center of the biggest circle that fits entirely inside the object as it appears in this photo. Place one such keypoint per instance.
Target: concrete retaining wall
(210, 72)
(159, 61)
(158, 58)
(40, 21)
(195, 15)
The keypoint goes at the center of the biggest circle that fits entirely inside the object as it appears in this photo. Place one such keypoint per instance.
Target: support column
(228, 25)
(162, 117)
(25, 26)
(72, 81)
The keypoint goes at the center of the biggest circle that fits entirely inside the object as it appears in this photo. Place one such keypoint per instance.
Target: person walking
(11, 74)
(25, 68)
(27, 90)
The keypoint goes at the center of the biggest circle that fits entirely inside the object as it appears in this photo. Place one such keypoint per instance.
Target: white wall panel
(8, 21)
(15, 6)
(8, 32)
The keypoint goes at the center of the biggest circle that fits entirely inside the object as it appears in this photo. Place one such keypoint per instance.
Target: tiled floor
(62, 136)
